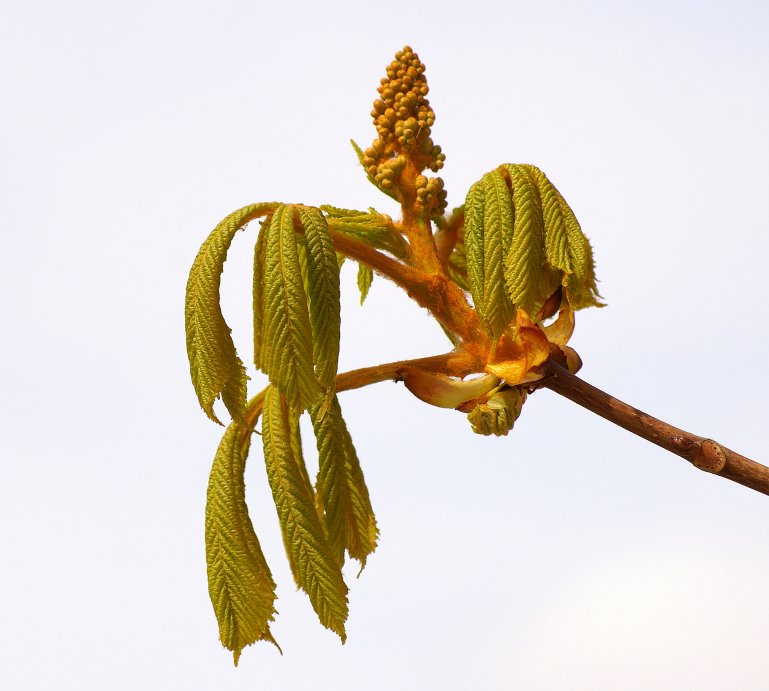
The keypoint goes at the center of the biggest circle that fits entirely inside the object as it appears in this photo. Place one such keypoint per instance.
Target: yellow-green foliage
(521, 240)
(515, 247)
(239, 580)
(315, 569)
(215, 368)
(342, 493)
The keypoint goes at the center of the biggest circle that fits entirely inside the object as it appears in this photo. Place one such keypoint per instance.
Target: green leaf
(474, 241)
(581, 289)
(341, 488)
(323, 292)
(239, 581)
(317, 571)
(295, 442)
(566, 247)
(365, 278)
(524, 260)
(215, 368)
(288, 358)
(498, 221)
(556, 237)
(260, 254)
(370, 226)
(457, 262)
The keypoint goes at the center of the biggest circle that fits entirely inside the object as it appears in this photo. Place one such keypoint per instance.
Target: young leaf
(556, 237)
(317, 571)
(373, 228)
(524, 261)
(215, 367)
(288, 357)
(498, 220)
(566, 247)
(365, 279)
(260, 254)
(341, 489)
(295, 441)
(323, 292)
(239, 581)
(474, 241)
(581, 289)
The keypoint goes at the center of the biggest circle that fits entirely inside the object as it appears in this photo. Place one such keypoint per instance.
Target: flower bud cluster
(403, 118)
(431, 197)
(388, 171)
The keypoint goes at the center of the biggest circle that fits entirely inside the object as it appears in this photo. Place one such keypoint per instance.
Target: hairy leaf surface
(215, 367)
(566, 247)
(581, 289)
(288, 359)
(317, 571)
(474, 241)
(342, 492)
(323, 292)
(524, 260)
(556, 237)
(498, 222)
(239, 581)
(370, 226)
(260, 254)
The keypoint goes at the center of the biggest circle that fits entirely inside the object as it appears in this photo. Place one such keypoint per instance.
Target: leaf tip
(208, 409)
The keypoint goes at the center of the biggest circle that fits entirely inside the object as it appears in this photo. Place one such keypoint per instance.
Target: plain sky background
(568, 555)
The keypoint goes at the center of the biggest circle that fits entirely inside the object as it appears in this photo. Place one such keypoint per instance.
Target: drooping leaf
(474, 241)
(556, 237)
(524, 260)
(239, 581)
(318, 573)
(323, 292)
(488, 233)
(215, 367)
(295, 442)
(566, 247)
(581, 289)
(260, 254)
(341, 488)
(365, 278)
(288, 359)
(498, 221)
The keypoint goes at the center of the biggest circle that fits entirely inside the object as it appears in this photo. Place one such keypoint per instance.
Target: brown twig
(703, 453)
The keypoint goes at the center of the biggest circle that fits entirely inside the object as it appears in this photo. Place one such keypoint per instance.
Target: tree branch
(701, 452)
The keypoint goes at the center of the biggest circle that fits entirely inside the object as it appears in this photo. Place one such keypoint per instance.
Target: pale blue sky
(569, 555)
